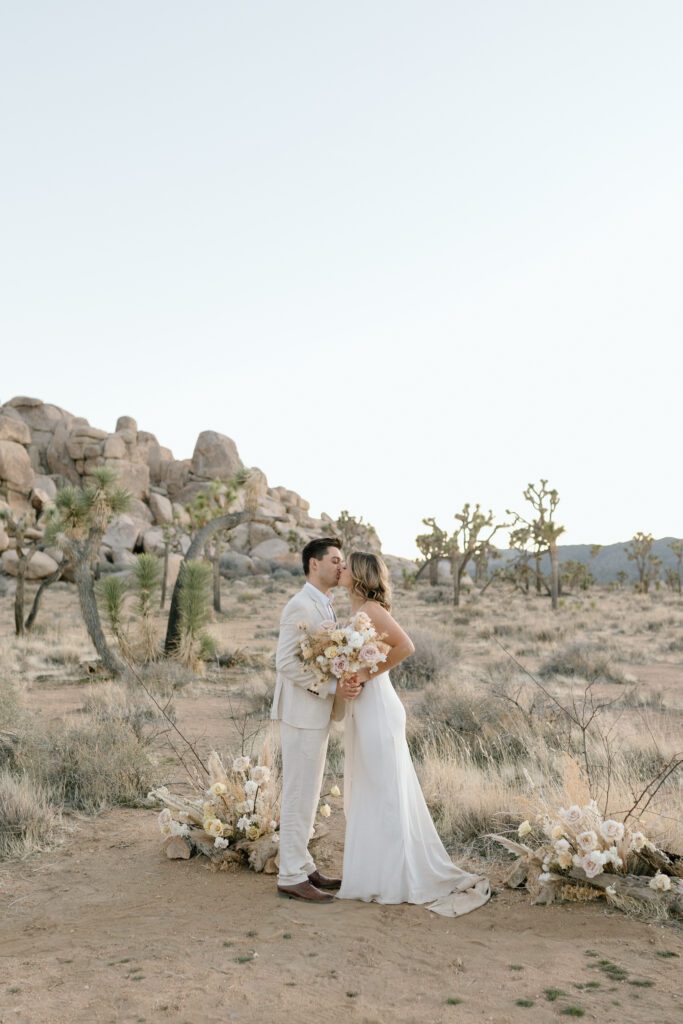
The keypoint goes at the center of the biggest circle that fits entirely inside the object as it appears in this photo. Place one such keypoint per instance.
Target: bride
(392, 852)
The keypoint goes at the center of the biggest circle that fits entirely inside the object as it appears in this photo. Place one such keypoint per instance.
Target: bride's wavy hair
(370, 578)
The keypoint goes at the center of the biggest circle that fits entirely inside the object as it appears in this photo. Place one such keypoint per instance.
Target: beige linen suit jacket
(293, 703)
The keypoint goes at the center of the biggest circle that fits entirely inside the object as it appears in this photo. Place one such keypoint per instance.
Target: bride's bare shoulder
(378, 613)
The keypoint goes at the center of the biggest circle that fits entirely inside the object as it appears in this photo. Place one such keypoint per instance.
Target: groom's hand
(349, 687)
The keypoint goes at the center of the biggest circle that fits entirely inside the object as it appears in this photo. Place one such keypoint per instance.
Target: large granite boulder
(13, 428)
(153, 541)
(273, 551)
(215, 456)
(40, 565)
(235, 565)
(132, 476)
(16, 471)
(177, 475)
(161, 508)
(122, 533)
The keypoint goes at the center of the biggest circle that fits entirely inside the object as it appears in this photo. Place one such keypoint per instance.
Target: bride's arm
(399, 643)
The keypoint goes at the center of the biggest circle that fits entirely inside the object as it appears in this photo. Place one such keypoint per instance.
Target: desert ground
(100, 927)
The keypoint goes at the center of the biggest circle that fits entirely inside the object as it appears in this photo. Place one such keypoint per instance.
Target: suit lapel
(319, 605)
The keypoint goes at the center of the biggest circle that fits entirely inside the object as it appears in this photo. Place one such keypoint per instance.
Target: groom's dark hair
(317, 549)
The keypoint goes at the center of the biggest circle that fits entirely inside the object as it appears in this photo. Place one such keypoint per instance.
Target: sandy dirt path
(104, 929)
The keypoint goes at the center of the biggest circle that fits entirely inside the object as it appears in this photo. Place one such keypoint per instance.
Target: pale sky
(406, 254)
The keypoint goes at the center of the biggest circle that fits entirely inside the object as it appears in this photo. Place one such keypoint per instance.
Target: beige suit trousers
(303, 766)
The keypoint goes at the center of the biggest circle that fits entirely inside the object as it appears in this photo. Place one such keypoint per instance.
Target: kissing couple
(392, 852)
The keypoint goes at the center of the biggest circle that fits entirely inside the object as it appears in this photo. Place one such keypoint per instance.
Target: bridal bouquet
(578, 850)
(336, 650)
(233, 817)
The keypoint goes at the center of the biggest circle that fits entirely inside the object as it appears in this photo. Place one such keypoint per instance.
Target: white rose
(561, 845)
(524, 829)
(662, 883)
(638, 841)
(240, 764)
(325, 810)
(587, 840)
(593, 863)
(557, 831)
(573, 815)
(260, 774)
(253, 832)
(612, 831)
(214, 827)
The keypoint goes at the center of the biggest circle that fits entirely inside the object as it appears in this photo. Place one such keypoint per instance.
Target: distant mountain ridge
(610, 560)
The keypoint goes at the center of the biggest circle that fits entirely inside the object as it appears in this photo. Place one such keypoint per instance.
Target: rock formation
(43, 447)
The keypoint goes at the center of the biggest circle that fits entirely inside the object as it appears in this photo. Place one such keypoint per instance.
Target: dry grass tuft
(27, 821)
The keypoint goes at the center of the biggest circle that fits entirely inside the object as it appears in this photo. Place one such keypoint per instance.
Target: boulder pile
(43, 447)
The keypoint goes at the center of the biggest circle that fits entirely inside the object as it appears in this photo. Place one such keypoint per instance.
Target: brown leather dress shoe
(304, 891)
(323, 882)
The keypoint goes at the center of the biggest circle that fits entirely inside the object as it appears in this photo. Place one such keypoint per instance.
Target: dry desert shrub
(435, 654)
(10, 704)
(89, 767)
(583, 660)
(27, 821)
(123, 704)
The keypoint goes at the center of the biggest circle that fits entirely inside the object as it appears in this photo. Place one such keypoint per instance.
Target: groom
(304, 718)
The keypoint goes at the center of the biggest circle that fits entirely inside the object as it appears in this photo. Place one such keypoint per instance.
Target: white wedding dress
(392, 852)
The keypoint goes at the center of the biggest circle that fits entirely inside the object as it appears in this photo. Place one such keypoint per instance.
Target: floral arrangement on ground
(232, 819)
(580, 854)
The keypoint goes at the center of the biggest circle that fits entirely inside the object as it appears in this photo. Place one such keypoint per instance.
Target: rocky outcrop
(44, 447)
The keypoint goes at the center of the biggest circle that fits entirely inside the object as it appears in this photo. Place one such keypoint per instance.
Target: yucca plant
(194, 599)
(146, 580)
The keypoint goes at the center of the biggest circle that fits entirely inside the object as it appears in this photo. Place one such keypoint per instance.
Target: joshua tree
(467, 542)
(194, 553)
(27, 540)
(543, 531)
(675, 573)
(211, 504)
(354, 534)
(433, 546)
(76, 524)
(576, 575)
(639, 550)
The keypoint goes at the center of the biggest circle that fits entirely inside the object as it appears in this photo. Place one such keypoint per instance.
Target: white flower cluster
(580, 837)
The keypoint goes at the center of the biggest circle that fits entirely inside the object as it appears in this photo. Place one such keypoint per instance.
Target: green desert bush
(27, 821)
